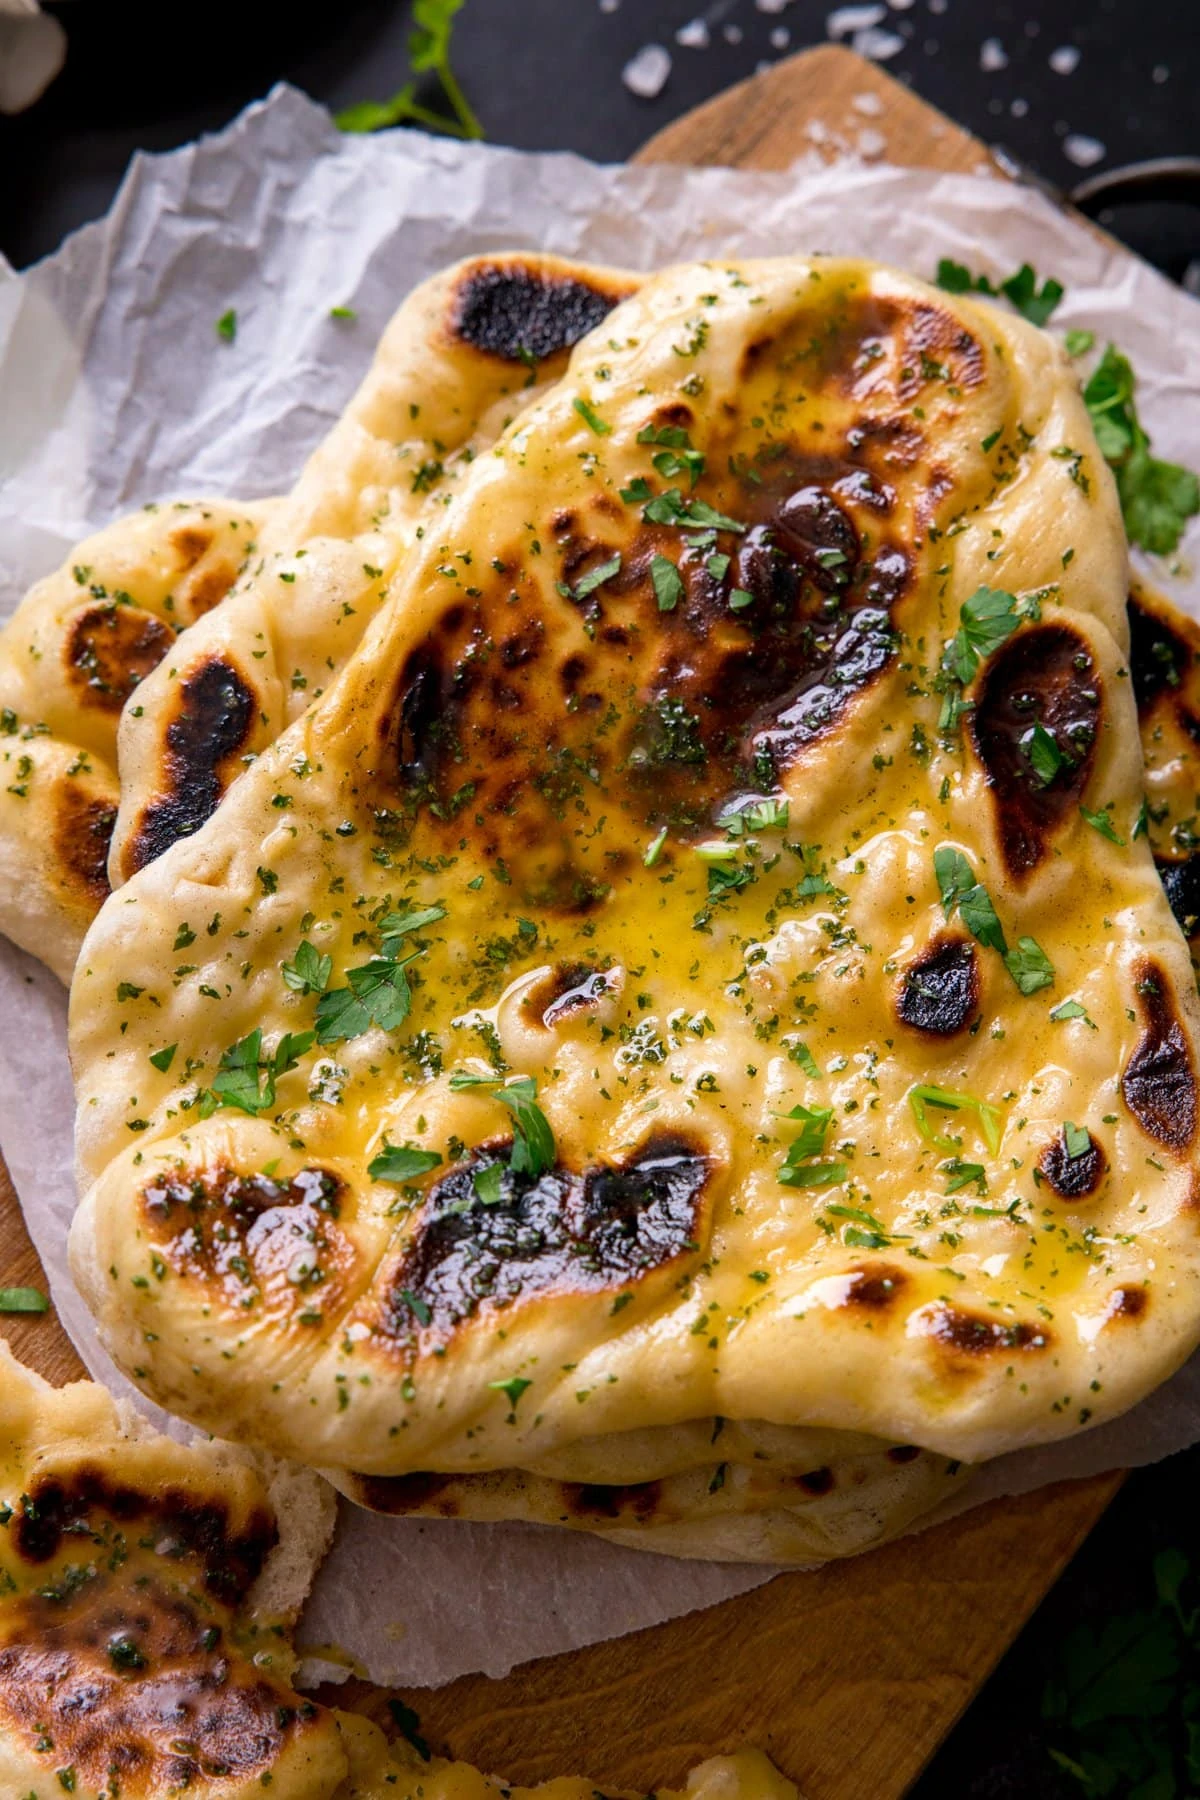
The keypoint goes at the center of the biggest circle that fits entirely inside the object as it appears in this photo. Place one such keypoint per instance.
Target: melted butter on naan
(539, 743)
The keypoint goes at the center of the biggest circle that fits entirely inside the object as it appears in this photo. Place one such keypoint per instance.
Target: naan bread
(773, 667)
(464, 354)
(70, 657)
(148, 1592)
(1164, 662)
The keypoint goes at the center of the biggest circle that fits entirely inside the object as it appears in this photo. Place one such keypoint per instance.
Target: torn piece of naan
(462, 355)
(70, 657)
(148, 1595)
(465, 353)
(695, 963)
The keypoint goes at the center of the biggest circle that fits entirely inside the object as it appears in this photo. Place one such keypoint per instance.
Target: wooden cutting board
(852, 1675)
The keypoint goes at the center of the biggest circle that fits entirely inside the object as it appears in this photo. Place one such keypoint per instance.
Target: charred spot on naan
(211, 723)
(265, 1245)
(526, 313)
(83, 828)
(206, 578)
(939, 992)
(570, 991)
(109, 649)
(563, 1232)
(1159, 1082)
(967, 1338)
(1044, 676)
(1162, 651)
(1180, 877)
(1073, 1177)
(670, 713)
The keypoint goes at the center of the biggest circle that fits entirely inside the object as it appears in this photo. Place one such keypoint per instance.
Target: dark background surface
(546, 74)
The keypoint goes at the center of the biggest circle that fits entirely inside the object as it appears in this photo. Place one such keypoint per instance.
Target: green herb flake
(591, 417)
(23, 1300)
(226, 326)
(402, 1162)
(1102, 822)
(668, 584)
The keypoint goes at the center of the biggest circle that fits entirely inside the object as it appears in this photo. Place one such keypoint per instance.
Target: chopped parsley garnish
(819, 1174)
(245, 1078)
(865, 1231)
(1029, 966)
(162, 1059)
(1021, 289)
(343, 312)
(533, 1150)
(309, 971)
(1079, 340)
(226, 327)
(1102, 822)
(428, 53)
(668, 584)
(1157, 498)
(655, 849)
(922, 1097)
(378, 993)
(513, 1388)
(814, 1127)
(670, 508)
(591, 417)
(402, 1162)
(1045, 758)
(960, 1174)
(762, 815)
(23, 1300)
(1070, 1009)
(986, 620)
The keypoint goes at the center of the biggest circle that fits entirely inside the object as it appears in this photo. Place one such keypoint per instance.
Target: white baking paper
(115, 390)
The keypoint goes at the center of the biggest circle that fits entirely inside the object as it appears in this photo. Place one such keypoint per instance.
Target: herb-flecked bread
(695, 963)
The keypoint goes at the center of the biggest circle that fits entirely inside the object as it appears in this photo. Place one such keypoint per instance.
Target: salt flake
(1083, 151)
(878, 45)
(1065, 60)
(849, 19)
(992, 56)
(646, 73)
(694, 35)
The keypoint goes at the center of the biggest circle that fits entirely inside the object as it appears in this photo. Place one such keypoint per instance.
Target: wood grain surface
(849, 1676)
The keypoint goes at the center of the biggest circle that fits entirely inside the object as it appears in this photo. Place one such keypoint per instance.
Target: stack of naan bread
(627, 981)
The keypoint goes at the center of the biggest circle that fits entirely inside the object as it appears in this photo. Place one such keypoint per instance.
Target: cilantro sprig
(1157, 498)
(986, 620)
(533, 1150)
(960, 890)
(1021, 289)
(246, 1075)
(428, 53)
(376, 993)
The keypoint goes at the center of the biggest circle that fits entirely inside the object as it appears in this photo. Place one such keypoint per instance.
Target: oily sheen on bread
(741, 994)
(464, 353)
(148, 1592)
(70, 657)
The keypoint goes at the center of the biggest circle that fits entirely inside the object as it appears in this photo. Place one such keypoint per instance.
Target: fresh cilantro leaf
(954, 875)
(162, 1059)
(668, 585)
(1157, 498)
(394, 926)
(591, 417)
(595, 578)
(740, 599)
(377, 994)
(1029, 966)
(416, 1306)
(670, 508)
(638, 490)
(533, 1150)
(1021, 289)
(718, 565)
(800, 1053)
(954, 277)
(1045, 757)
(246, 1078)
(309, 971)
(1070, 1009)
(980, 918)
(961, 1174)
(1102, 822)
(1079, 340)
(761, 815)
(926, 1094)
(226, 326)
(1077, 1140)
(987, 619)
(814, 1128)
(821, 1174)
(402, 1162)
(488, 1183)
(23, 1300)
(679, 457)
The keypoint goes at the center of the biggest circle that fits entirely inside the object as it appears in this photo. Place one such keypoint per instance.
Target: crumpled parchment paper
(115, 390)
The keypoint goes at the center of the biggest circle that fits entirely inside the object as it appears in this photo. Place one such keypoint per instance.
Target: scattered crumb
(871, 143)
(694, 35)
(870, 105)
(1083, 151)
(646, 74)
(992, 56)
(849, 19)
(1065, 60)
(878, 45)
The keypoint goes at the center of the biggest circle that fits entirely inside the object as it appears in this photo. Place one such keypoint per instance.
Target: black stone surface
(546, 74)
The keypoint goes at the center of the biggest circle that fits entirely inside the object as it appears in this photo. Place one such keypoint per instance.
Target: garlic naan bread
(70, 657)
(148, 1592)
(1164, 662)
(695, 964)
(464, 353)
